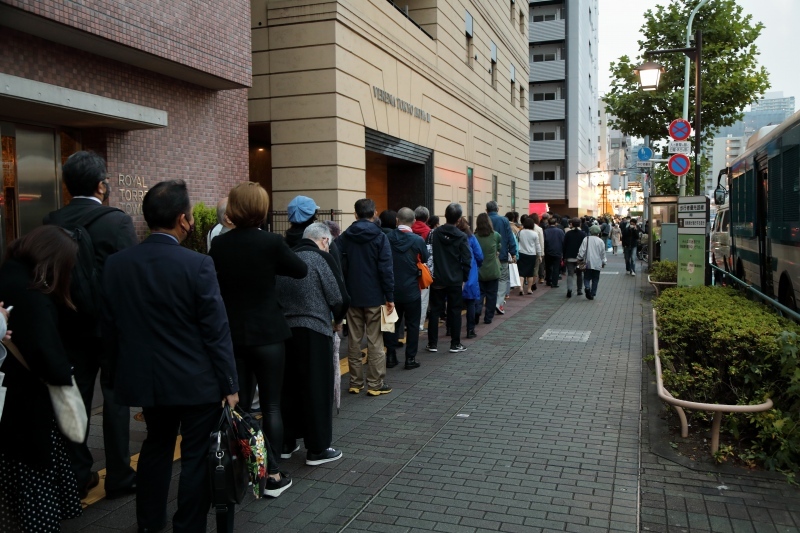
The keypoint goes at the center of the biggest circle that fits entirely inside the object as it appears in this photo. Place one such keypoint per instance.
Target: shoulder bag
(424, 276)
(581, 264)
(68, 406)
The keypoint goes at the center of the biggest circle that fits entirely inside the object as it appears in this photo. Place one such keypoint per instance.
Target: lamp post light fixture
(649, 74)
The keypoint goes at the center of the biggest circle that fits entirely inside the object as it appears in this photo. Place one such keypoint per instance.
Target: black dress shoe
(94, 480)
(121, 493)
(411, 363)
(471, 334)
(391, 360)
(569, 294)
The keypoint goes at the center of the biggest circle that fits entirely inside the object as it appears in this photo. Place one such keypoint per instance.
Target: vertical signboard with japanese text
(692, 240)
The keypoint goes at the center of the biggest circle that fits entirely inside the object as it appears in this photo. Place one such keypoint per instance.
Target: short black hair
(365, 208)
(82, 172)
(452, 213)
(164, 203)
(388, 219)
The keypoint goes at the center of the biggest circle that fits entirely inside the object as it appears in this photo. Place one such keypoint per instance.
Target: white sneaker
(633, 273)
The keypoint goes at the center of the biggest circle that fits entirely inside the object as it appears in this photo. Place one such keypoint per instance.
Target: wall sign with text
(402, 105)
(132, 189)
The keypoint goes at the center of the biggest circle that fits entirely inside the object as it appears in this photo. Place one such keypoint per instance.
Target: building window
(470, 43)
(493, 55)
(521, 22)
(538, 58)
(513, 195)
(513, 93)
(544, 175)
(522, 97)
(494, 188)
(544, 136)
(543, 18)
(470, 195)
(538, 97)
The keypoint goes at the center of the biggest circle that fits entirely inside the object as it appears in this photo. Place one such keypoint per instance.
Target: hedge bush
(664, 271)
(205, 218)
(718, 347)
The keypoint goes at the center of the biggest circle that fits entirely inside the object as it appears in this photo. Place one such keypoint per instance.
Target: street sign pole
(692, 240)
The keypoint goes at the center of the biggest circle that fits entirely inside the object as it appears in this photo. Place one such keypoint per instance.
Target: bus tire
(786, 293)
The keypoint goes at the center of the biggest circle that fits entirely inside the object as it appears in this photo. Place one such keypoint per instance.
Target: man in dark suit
(110, 230)
(173, 355)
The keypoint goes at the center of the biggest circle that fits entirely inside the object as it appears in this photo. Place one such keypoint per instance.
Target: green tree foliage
(205, 218)
(732, 78)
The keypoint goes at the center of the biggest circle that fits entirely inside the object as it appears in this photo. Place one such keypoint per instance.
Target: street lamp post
(649, 74)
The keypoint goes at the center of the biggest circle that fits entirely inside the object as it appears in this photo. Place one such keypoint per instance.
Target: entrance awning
(33, 101)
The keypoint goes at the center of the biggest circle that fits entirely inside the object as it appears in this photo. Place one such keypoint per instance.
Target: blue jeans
(630, 258)
(489, 296)
(590, 280)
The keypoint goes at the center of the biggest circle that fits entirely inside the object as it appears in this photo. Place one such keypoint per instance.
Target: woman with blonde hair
(247, 261)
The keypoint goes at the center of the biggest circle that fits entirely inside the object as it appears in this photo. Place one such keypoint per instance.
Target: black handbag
(227, 469)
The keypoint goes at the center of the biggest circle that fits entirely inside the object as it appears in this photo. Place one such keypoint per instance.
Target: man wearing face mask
(172, 355)
(110, 231)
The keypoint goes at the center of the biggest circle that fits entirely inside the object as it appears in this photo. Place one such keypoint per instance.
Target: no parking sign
(679, 165)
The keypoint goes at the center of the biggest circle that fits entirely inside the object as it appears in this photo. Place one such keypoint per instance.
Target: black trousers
(88, 359)
(553, 263)
(196, 422)
(264, 364)
(409, 316)
(308, 390)
(455, 303)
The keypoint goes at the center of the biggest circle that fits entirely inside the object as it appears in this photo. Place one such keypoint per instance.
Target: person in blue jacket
(471, 291)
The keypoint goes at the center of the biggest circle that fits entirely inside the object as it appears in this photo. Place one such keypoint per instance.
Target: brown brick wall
(212, 36)
(206, 142)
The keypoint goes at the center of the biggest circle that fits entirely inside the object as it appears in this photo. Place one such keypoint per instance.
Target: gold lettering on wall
(132, 189)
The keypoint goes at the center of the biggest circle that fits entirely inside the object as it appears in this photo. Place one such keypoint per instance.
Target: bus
(764, 211)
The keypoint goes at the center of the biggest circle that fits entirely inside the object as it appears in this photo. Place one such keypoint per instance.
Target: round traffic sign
(678, 165)
(680, 129)
(644, 153)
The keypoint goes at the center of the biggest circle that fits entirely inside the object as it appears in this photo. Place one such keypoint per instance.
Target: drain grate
(565, 335)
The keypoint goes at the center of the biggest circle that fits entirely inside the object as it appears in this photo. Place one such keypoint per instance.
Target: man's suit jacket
(169, 330)
(110, 233)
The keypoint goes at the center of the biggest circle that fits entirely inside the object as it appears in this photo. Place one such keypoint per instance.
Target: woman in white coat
(593, 251)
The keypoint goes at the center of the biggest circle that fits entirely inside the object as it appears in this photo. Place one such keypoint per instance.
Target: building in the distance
(422, 102)
(157, 88)
(564, 110)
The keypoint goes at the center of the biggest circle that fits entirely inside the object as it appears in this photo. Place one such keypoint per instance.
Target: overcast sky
(621, 20)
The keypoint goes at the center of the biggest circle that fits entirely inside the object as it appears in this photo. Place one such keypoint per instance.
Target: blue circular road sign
(644, 153)
(680, 129)
(679, 165)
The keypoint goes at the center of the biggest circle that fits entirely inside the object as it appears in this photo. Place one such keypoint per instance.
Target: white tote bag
(513, 275)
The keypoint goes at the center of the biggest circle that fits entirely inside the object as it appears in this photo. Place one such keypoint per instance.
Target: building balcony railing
(548, 30)
(542, 71)
(547, 190)
(547, 110)
(547, 150)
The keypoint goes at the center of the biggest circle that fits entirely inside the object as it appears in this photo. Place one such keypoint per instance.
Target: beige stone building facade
(424, 102)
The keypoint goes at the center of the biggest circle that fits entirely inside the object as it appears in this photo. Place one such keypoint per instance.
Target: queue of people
(180, 333)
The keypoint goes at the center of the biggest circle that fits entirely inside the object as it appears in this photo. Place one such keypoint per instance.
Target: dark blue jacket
(171, 344)
(405, 249)
(554, 241)
(507, 243)
(366, 264)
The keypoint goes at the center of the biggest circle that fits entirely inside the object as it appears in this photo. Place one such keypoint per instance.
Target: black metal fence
(278, 221)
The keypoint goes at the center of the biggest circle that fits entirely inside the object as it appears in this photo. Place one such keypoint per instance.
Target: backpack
(85, 282)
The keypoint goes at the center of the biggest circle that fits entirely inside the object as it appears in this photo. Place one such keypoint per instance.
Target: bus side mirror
(720, 194)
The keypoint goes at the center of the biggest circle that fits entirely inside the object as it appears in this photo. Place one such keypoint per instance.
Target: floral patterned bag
(253, 448)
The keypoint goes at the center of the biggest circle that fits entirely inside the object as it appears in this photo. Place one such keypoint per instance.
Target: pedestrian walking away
(172, 355)
(489, 273)
(508, 252)
(109, 230)
(553, 251)
(369, 279)
(314, 307)
(593, 252)
(630, 242)
(572, 243)
(471, 291)
(451, 267)
(258, 327)
(529, 251)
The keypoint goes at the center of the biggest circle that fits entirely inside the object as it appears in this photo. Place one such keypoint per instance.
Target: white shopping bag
(513, 275)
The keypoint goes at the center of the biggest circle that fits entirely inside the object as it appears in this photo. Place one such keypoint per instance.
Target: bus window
(724, 225)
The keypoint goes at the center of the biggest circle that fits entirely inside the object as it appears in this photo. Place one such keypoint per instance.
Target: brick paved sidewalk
(535, 428)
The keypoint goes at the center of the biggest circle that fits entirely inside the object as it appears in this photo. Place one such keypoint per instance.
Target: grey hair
(221, 208)
(317, 231)
(422, 214)
(491, 205)
(406, 216)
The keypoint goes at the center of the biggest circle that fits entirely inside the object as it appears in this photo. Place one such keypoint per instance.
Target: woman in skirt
(529, 251)
(37, 486)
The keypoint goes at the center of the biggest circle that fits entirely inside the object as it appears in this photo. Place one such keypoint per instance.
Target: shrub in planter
(664, 272)
(718, 347)
(205, 218)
